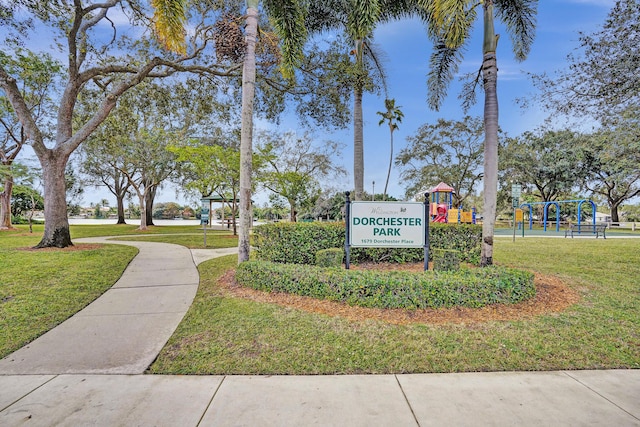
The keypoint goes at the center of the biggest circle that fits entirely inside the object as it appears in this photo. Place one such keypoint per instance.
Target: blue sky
(407, 50)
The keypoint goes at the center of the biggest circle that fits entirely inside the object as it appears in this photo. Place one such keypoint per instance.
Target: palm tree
(288, 19)
(358, 18)
(361, 21)
(392, 116)
(246, 133)
(519, 19)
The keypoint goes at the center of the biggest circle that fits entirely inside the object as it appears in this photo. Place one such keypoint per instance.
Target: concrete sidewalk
(123, 331)
(58, 379)
(570, 398)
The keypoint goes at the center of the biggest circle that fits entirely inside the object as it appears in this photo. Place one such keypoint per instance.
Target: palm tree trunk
(490, 79)
(358, 144)
(246, 136)
(386, 184)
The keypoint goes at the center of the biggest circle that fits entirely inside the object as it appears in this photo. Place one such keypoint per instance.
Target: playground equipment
(557, 204)
(441, 207)
(441, 213)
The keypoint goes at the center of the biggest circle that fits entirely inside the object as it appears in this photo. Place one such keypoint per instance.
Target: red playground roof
(442, 188)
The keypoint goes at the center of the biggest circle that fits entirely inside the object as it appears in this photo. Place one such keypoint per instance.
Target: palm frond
(169, 20)
(375, 56)
(444, 63)
(391, 10)
(448, 20)
(362, 19)
(327, 15)
(288, 19)
(519, 16)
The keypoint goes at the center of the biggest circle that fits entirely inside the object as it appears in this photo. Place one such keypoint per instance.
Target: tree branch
(19, 105)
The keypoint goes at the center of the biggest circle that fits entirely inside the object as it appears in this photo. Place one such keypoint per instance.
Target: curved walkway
(123, 330)
(53, 381)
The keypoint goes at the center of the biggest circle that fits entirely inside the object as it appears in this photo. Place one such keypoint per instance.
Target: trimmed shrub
(331, 257)
(466, 238)
(298, 243)
(391, 289)
(446, 260)
(295, 242)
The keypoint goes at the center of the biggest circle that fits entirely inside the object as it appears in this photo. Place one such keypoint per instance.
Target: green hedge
(332, 257)
(298, 243)
(391, 289)
(445, 260)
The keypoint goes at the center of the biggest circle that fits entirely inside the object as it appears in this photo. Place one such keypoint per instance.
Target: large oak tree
(93, 46)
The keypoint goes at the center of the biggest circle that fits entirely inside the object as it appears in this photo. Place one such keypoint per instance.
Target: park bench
(596, 229)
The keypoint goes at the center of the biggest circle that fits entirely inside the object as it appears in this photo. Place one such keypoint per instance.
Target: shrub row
(391, 289)
(445, 260)
(298, 243)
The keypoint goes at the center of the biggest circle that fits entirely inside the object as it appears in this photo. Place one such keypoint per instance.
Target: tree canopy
(601, 79)
(293, 166)
(614, 153)
(551, 163)
(447, 151)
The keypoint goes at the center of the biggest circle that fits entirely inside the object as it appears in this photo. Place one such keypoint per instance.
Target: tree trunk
(246, 137)
(31, 213)
(615, 217)
(386, 183)
(120, 191)
(358, 145)
(490, 79)
(142, 197)
(234, 211)
(5, 204)
(120, 204)
(293, 213)
(56, 225)
(150, 197)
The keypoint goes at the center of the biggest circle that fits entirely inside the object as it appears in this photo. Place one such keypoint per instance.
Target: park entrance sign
(387, 224)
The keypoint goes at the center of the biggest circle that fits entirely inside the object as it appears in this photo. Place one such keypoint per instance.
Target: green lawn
(224, 335)
(41, 289)
(215, 239)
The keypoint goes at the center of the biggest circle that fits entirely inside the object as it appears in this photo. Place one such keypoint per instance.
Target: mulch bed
(552, 296)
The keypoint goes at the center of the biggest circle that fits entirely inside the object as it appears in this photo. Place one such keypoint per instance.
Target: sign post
(204, 218)
(426, 231)
(516, 191)
(347, 240)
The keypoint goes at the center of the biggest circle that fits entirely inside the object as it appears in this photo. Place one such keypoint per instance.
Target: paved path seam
(601, 395)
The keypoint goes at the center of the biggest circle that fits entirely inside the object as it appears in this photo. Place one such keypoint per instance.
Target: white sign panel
(387, 224)
(516, 191)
